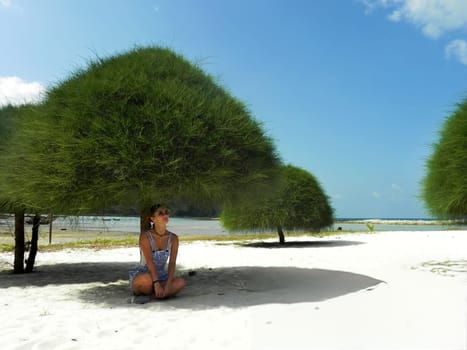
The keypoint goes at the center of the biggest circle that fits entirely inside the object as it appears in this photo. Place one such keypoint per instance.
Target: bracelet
(155, 281)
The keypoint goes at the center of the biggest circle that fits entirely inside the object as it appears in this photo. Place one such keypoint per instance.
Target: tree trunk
(51, 219)
(34, 238)
(281, 235)
(18, 266)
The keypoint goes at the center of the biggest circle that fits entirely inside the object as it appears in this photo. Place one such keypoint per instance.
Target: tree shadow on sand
(243, 286)
(302, 244)
(106, 283)
(73, 273)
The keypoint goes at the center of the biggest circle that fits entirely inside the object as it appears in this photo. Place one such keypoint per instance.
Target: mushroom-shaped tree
(297, 203)
(445, 184)
(136, 128)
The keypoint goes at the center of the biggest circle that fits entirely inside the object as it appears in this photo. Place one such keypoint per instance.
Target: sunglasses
(162, 212)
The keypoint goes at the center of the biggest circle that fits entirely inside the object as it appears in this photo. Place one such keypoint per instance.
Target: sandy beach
(391, 290)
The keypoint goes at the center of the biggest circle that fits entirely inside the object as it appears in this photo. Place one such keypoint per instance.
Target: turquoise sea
(194, 226)
(91, 227)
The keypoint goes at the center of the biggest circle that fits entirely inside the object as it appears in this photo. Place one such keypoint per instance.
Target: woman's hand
(167, 289)
(159, 290)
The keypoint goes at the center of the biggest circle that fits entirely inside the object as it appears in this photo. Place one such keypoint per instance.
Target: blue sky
(354, 91)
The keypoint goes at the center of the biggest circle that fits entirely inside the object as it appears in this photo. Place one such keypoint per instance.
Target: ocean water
(360, 225)
(131, 224)
(66, 229)
(100, 225)
(193, 226)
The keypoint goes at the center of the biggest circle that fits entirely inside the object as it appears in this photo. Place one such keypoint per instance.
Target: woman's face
(161, 215)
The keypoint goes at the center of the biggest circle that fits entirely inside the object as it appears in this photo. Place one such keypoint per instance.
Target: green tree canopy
(10, 118)
(445, 184)
(297, 203)
(6, 118)
(136, 128)
(5, 121)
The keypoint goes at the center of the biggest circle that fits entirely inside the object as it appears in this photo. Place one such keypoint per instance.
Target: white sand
(393, 290)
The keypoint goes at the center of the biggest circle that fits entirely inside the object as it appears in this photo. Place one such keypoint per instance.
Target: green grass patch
(7, 247)
(257, 236)
(98, 243)
(132, 241)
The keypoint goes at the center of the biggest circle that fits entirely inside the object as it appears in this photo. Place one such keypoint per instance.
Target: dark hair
(147, 224)
(154, 208)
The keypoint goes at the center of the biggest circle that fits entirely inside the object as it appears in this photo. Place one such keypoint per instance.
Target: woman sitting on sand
(157, 245)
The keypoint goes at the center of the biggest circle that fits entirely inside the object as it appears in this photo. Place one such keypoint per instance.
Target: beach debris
(445, 268)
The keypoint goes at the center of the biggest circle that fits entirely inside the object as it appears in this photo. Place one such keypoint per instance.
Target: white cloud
(395, 187)
(458, 49)
(370, 5)
(5, 3)
(376, 194)
(15, 91)
(434, 17)
(395, 16)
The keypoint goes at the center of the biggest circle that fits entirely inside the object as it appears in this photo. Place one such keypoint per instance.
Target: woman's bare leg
(142, 284)
(176, 286)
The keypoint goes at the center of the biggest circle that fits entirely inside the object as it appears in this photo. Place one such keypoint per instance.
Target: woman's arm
(173, 257)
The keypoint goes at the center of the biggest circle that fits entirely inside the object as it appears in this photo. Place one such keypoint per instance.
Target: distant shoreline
(414, 221)
(353, 220)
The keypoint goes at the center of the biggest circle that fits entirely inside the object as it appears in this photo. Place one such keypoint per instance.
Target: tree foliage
(10, 118)
(445, 184)
(6, 117)
(135, 128)
(298, 202)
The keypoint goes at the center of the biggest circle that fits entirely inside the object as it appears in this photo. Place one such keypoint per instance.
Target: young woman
(155, 277)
